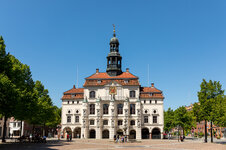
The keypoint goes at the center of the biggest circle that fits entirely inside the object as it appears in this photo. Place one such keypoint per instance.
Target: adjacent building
(111, 103)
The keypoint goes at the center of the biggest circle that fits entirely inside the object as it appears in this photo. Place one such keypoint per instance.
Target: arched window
(132, 94)
(105, 108)
(132, 108)
(120, 108)
(92, 109)
(92, 94)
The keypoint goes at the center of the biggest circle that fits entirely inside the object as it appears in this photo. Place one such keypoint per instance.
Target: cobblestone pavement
(107, 144)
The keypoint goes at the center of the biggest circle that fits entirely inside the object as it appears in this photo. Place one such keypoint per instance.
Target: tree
(168, 120)
(207, 99)
(16, 83)
(219, 111)
(44, 111)
(183, 118)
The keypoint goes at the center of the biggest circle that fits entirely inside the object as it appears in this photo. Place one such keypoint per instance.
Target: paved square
(107, 144)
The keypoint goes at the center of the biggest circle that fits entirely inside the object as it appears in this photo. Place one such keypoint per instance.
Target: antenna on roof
(148, 75)
(77, 77)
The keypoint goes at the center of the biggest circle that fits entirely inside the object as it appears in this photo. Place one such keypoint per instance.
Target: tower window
(150, 101)
(92, 94)
(72, 102)
(68, 102)
(155, 101)
(132, 94)
(77, 102)
(132, 108)
(120, 108)
(144, 101)
(92, 109)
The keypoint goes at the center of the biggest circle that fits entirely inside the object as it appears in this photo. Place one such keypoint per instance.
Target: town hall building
(113, 103)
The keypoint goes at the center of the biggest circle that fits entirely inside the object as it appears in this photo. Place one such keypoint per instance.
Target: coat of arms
(112, 90)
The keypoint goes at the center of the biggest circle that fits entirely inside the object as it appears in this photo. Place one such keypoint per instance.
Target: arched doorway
(77, 132)
(92, 134)
(120, 132)
(66, 131)
(132, 134)
(145, 133)
(105, 134)
(156, 134)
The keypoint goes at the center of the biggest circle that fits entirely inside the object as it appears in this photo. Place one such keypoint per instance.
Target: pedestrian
(70, 137)
(125, 138)
(114, 138)
(67, 137)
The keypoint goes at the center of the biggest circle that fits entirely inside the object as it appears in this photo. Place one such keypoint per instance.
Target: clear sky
(183, 41)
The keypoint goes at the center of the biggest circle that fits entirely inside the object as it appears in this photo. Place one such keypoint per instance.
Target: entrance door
(132, 134)
(105, 134)
(92, 134)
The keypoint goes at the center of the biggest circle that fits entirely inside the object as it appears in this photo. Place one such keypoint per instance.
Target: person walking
(67, 137)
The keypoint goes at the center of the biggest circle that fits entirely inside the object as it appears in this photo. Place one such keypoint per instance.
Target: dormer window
(92, 94)
(126, 81)
(68, 102)
(98, 81)
(151, 94)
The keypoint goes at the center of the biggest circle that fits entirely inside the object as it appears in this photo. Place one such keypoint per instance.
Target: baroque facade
(111, 103)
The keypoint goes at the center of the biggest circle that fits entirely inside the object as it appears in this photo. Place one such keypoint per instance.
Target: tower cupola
(114, 59)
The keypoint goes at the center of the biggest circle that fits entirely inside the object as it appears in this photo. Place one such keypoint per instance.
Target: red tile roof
(74, 90)
(150, 92)
(104, 82)
(149, 89)
(104, 75)
(74, 94)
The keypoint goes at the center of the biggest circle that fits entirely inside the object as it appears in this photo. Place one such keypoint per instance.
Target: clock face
(112, 90)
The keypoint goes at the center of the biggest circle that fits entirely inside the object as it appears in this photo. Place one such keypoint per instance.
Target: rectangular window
(105, 122)
(68, 119)
(132, 122)
(155, 101)
(91, 122)
(119, 122)
(92, 109)
(154, 119)
(76, 118)
(145, 119)
(132, 94)
(105, 108)
(150, 101)
(19, 123)
(14, 124)
(120, 108)
(132, 108)
(144, 101)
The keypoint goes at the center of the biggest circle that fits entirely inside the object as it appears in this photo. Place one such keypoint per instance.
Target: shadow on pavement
(34, 146)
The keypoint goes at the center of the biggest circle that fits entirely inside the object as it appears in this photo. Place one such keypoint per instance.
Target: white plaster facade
(111, 103)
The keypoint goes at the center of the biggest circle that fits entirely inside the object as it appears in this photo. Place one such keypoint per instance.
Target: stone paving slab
(110, 145)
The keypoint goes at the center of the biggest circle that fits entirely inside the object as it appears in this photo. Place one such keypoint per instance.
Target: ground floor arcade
(108, 133)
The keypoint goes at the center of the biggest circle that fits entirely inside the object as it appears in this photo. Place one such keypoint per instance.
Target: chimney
(97, 70)
(152, 84)
(127, 69)
(73, 86)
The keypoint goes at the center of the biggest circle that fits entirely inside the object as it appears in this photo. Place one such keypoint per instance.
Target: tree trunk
(211, 131)
(4, 129)
(43, 129)
(205, 131)
(20, 128)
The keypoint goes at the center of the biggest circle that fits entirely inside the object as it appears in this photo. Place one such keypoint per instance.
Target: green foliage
(219, 112)
(200, 134)
(168, 120)
(183, 118)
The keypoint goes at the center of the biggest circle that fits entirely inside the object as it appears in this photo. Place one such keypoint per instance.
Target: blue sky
(183, 41)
